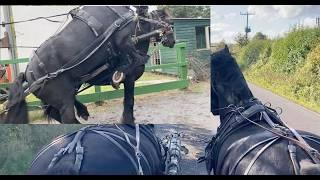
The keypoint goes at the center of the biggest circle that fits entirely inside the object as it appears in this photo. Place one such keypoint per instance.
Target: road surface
(295, 115)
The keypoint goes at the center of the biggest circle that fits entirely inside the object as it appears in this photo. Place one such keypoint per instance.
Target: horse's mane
(227, 76)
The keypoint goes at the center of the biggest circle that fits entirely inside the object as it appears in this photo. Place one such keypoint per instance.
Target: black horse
(102, 150)
(99, 41)
(251, 138)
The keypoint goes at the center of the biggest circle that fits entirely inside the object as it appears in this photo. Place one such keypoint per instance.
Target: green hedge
(20, 143)
(289, 66)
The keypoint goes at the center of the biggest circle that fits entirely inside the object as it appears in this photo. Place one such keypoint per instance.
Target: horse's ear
(226, 49)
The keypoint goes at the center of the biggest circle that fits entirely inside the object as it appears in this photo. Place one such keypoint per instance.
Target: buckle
(117, 25)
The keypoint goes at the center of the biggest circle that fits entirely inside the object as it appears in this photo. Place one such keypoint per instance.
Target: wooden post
(8, 17)
(181, 58)
(97, 89)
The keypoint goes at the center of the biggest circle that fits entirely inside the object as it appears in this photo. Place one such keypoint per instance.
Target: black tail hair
(17, 105)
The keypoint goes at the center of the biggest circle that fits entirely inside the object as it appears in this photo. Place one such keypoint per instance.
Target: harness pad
(91, 21)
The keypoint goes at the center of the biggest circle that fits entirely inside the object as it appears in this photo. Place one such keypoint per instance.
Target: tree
(259, 36)
(241, 39)
(187, 11)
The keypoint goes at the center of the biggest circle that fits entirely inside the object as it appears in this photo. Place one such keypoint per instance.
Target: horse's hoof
(115, 85)
(127, 121)
(84, 117)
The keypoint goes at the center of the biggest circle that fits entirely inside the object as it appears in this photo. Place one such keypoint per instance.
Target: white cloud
(214, 15)
(230, 15)
(262, 11)
(219, 26)
(309, 22)
(289, 11)
(280, 11)
(228, 36)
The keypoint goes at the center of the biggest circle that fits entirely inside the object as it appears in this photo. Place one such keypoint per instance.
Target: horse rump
(102, 150)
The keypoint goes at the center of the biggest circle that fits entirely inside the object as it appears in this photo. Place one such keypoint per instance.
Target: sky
(272, 20)
(34, 33)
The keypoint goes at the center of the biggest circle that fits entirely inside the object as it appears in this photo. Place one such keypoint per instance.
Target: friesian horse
(99, 41)
(251, 138)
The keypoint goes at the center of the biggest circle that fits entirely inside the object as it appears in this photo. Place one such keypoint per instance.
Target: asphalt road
(293, 114)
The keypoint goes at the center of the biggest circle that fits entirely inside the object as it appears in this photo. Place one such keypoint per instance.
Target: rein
(281, 130)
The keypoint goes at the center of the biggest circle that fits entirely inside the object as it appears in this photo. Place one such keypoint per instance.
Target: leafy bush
(252, 52)
(289, 66)
(291, 50)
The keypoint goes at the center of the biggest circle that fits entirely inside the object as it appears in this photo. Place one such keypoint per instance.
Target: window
(202, 37)
(155, 56)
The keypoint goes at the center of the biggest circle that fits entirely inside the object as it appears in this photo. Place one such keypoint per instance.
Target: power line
(5, 47)
(37, 18)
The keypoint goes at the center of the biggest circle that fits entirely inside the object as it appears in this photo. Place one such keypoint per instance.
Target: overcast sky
(272, 20)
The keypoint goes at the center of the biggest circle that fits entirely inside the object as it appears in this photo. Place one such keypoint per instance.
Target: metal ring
(117, 25)
(114, 78)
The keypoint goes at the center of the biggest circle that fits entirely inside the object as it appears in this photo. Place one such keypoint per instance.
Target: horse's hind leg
(60, 94)
(68, 114)
(82, 110)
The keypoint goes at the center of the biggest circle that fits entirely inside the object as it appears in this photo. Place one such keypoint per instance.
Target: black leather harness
(113, 135)
(238, 119)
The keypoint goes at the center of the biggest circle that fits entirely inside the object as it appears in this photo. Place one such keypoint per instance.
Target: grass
(19, 144)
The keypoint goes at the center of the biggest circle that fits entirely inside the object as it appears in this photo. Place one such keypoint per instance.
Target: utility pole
(318, 22)
(247, 29)
(13, 54)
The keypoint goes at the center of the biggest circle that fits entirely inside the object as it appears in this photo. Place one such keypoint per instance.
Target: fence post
(97, 89)
(181, 59)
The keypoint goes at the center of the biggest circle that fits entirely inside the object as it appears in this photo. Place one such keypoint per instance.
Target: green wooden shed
(195, 32)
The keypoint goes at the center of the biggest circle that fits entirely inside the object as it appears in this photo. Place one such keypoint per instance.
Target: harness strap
(95, 73)
(124, 140)
(89, 20)
(256, 108)
(293, 156)
(258, 154)
(136, 148)
(249, 150)
(69, 148)
(120, 147)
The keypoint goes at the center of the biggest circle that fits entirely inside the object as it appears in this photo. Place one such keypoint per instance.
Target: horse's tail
(17, 105)
(308, 168)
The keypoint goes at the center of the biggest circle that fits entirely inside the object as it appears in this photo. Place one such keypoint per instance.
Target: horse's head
(228, 86)
(166, 37)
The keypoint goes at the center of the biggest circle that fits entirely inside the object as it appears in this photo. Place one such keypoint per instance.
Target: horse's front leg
(128, 102)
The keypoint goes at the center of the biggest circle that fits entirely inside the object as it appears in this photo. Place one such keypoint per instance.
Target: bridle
(159, 27)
